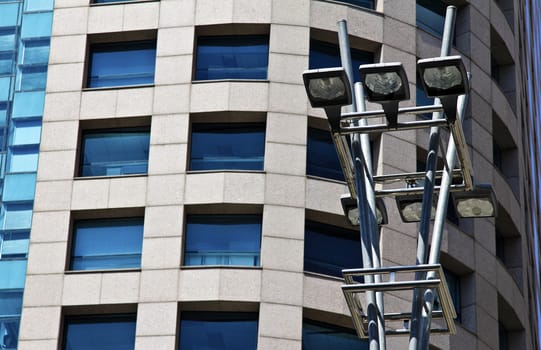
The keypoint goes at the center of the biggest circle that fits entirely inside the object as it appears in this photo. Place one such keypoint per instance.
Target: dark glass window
(115, 152)
(11, 302)
(107, 1)
(361, 3)
(121, 64)
(322, 159)
(223, 240)
(232, 57)
(322, 336)
(431, 16)
(107, 244)
(103, 332)
(227, 146)
(453, 283)
(218, 331)
(326, 55)
(330, 249)
(14, 245)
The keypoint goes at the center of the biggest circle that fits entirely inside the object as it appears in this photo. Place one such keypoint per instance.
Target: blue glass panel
(35, 51)
(115, 152)
(322, 159)
(17, 216)
(13, 274)
(6, 62)
(321, 336)
(22, 159)
(326, 55)
(3, 114)
(104, 332)
(431, 16)
(9, 14)
(11, 302)
(5, 88)
(107, 244)
(37, 25)
(7, 38)
(223, 240)
(218, 331)
(26, 132)
(14, 245)
(10, 312)
(227, 146)
(362, 3)
(232, 57)
(38, 5)
(19, 187)
(28, 104)
(330, 249)
(32, 78)
(120, 64)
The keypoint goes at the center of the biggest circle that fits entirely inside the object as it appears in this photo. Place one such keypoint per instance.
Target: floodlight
(410, 207)
(446, 78)
(477, 203)
(351, 210)
(386, 84)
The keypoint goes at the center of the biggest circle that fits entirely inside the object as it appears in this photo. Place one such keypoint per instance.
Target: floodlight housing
(351, 210)
(410, 207)
(477, 203)
(445, 78)
(386, 84)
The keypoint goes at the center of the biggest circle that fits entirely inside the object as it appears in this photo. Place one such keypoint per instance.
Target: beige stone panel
(400, 10)
(46, 258)
(280, 321)
(69, 21)
(164, 221)
(244, 188)
(485, 263)
(167, 129)
(33, 325)
(324, 195)
(127, 192)
(59, 136)
(269, 343)
(486, 296)
(487, 329)
(141, 16)
(171, 99)
(281, 221)
(325, 295)
(282, 287)
(175, 41)
(57, 74)
(160, 253)
(156, 319)
(43, 290)
(90, 194)
(501, 105)
(134, 102)
(204, 188)
(248, 96)
(69, 3)
(500, 24)
(480, 53)
(293, 13)
(461, 248)
(81, 289)
(175, 13)
(251, 11)
(285, 190)
(231, 279)
(165, 189)
(56, 165)
(167, 159)
(285, 68)
(479, 24)
(287, 98)
(282, 254)
(293, 40)
(50, 226)
(285, 159)
(197, 284)
(62, 106)
(52, 195)
(365, 24)
(325, 15)
(67, 49)
(105, 19)
(159, 285)
(210, 96)
(155, 342)
(37, 344)
(98, 103)
(121, 287)
(212, 12)
(173, 69)
(286, 128)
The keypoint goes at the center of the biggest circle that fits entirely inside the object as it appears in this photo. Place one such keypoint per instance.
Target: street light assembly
(477, 203)
(351, 210)
(386, 84)
(410, 207)
(445, 78)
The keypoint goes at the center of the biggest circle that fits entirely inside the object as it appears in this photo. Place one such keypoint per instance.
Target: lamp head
(351, 210)
(477, 203)
(410, 207)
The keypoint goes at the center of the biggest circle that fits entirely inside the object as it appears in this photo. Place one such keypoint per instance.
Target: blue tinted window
(107, 332)
(107, 244)
(19, 187)
(326, 55)
(17, 216)
(322, 159)
(107, 1)
(6, 62)
(222, 240)
(321, 336)
(218, 331)
(362, 3)
(227, 146)
(453, 283)
(121, 64)
(10, 314)
(431, 16)
(22, 159)
(7, 38)
(330, 249)
(13, 245)
(115, 152)
(32, 78)
(35, 52)
(37, 25)
(232, 57)
(38, 5)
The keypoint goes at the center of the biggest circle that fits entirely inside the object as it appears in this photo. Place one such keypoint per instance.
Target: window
(325, 55)
(13, 245)
(107, 244)
(322, 336)
(11, 302)
(223, 240)
(227, 146)
(330, 249)
(104, 332)
(431, 16)
(108, 1)
(115, 151)
(453, 283)
(232, 57)
(33, 65)
(218, 330)
(322, 159)
(369, 4)
(122, 64)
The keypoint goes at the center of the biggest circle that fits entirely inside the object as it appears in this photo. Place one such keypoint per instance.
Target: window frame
(332, 329)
